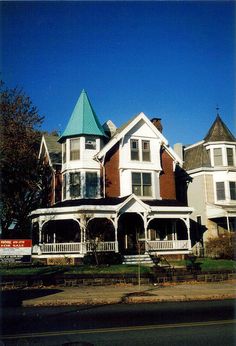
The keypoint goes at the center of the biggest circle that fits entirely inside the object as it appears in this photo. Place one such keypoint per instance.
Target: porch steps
(136, 259)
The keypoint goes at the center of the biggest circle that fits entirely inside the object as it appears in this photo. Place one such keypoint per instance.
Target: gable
(133, 205)
(139, 125)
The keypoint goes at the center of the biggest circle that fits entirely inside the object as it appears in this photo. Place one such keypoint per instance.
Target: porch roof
(116, 201)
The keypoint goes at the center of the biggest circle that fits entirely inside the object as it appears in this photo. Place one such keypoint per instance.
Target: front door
(130, 229)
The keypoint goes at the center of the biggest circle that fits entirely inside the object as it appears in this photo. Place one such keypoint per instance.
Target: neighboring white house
(211, 164)
(118, 182)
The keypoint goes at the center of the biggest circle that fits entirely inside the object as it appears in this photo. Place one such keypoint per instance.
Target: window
(74, 185)
(232, 189)
(75, 149)
(146, 150)
(220, 190)
(134, 147)
(90, 143)
(64, 152)
(141, 184)
(64, 186)
(230, 158)
(218, 157)
(91, 184)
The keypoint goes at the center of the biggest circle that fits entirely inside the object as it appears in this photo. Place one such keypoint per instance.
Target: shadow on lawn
(15, 297)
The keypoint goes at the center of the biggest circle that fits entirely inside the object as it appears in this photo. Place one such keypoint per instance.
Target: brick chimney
(157, 122)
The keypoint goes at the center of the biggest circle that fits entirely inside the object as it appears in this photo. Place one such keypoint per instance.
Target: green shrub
(109, 258)
(222, 246)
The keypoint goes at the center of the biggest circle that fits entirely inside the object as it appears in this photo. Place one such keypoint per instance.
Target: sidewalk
(91, 295)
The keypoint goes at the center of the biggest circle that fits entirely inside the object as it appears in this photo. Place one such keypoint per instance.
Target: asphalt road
(182, 323)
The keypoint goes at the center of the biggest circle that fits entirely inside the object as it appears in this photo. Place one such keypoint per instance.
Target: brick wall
(112, 178)
(167, 177)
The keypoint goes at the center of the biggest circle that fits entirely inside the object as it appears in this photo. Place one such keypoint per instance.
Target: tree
(19, 145)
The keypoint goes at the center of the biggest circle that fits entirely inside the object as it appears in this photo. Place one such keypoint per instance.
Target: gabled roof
(52, 148)
(125, 128)
(83, 120)
(219, 132)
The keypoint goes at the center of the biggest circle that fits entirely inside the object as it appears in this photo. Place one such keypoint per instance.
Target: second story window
(134, 148)
(74, 149)
(142, 184)
(91, 184)
(64, 152)
(75, 185)
(146, 150)
(218, 157)
(232, 190)
(220, 190)
(90, 143)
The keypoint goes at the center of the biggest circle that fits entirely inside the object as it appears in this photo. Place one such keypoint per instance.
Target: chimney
(157, 122)
(179, 149)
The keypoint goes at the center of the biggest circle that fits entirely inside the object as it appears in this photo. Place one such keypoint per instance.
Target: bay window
(220, 190)
(75, 185)
(91, 180)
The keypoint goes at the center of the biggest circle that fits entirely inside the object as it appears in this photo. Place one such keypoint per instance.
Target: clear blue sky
(173, 60)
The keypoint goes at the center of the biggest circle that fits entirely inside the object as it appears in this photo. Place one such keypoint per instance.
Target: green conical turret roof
(83, 120)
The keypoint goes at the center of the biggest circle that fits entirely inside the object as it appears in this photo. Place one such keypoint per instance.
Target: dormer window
(90, 143)
(75, 149)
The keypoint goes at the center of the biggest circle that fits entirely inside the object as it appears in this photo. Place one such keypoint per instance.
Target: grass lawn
(207, 265)
(80, 269)
(113, 269)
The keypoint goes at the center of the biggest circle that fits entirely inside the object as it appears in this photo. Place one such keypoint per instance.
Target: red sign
(15, 243)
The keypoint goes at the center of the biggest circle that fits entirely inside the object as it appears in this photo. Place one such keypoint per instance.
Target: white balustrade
(76, 247)
(167, 245)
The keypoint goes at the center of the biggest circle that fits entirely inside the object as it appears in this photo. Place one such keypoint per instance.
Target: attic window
(90, 143)
(134, 147)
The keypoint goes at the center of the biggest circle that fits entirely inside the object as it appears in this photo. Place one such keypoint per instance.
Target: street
(179, 323)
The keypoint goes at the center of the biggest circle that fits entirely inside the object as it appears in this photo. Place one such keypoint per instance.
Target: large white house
(120, 186)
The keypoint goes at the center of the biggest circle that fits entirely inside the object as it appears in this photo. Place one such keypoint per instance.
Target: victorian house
(211, 163)
(120, 188)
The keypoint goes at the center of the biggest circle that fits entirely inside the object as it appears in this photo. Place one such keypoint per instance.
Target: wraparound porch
(161, 247)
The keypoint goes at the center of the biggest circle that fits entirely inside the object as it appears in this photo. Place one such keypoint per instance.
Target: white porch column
(83, 234)
(187, 222)
(115, 223)
(145, 224)
(40, 231)
(228, 225)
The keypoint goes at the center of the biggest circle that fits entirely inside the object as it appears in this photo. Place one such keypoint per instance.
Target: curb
(126, 300)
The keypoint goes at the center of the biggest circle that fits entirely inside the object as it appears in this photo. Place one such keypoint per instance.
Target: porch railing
(167, 245)
(75, 247)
